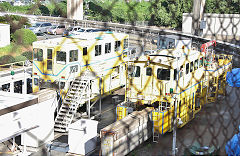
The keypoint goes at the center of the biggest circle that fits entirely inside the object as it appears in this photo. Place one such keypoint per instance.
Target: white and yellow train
(57, 62)
(185, 77)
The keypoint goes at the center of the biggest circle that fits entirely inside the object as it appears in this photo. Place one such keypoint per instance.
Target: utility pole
(175, 115)
(198, 8)
(75, 9)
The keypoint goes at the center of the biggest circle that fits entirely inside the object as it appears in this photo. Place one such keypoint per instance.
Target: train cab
(164, 78)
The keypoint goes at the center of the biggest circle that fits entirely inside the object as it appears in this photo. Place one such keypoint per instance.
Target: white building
(18, 3)
(4, 35)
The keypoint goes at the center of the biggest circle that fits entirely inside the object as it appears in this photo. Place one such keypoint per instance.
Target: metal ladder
(75, 97)
(155, 134)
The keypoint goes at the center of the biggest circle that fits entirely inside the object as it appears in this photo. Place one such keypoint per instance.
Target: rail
(14, 65)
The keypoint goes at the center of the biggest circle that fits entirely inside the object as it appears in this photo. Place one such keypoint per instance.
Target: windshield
(70, 28)
(36, 25)
(81, 30)
(53, 27)
(89, 30)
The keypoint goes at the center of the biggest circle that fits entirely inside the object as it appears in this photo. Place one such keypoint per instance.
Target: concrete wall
(20, 113)
(219, 25)
(4, 35)
(44, 113)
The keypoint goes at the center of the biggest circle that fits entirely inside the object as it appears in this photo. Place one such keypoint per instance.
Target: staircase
(75, 98)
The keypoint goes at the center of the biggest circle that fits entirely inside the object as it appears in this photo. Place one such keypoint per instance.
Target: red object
(63, 77)
(35, 73)
(208, 44)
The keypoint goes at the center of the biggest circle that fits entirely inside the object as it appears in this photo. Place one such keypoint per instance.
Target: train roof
(82, 39)
(168, 57)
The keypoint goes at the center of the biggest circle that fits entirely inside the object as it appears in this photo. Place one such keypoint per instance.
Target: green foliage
(16, 22)
(20, 58)
(24, 36)
(51, 7)
(44, 10)
(158, 12)
(28, 55)
(10, 49)
(222, 7)
(6, 59)
(60, 9)
(5, 6)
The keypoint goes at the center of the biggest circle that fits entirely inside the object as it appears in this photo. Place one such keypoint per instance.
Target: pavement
(214, 125)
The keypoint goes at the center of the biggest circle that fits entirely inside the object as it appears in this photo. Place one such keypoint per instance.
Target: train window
(35, 81)
(74, 68)
(38, 54)
(136, 71)
(187, 68)
(73, 55)
(117, 45)
(171, 45)
(117, 69)
(125, 44)
(191, 67)
(181, 71)
(163, 74)
(107, 48)
(201, 62)
(85, 51)
(163, 44)
(62, 85)
(49, 53)
(148, 71)
(98, 50)
(49, 64)
(196, 64)
(61, 57)
(221, 57)
(175, 74)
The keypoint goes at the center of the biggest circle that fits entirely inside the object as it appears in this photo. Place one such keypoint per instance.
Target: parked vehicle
(40, 27)
(18, 3)
(71, 30)
(56, 29)
(88, 30)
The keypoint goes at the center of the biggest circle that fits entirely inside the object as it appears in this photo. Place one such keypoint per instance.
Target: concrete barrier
(124, 135)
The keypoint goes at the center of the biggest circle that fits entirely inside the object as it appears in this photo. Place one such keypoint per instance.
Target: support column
(12, 86)
(24, 83)
(75, 9)
(198, 8)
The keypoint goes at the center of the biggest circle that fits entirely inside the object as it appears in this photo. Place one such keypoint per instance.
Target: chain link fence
(218, 121)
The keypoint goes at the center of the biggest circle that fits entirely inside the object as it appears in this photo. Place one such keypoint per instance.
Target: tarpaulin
(233, 78)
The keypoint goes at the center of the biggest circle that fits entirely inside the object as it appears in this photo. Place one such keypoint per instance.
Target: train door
(48, 64)
(134, 73)
(147, 82)
(191, 106)
(157, 84)
(37, 68)
(38, 60)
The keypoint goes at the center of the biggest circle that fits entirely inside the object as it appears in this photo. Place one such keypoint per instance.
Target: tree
(24, 37)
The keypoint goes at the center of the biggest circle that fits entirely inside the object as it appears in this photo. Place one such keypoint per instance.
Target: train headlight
(140, 97)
